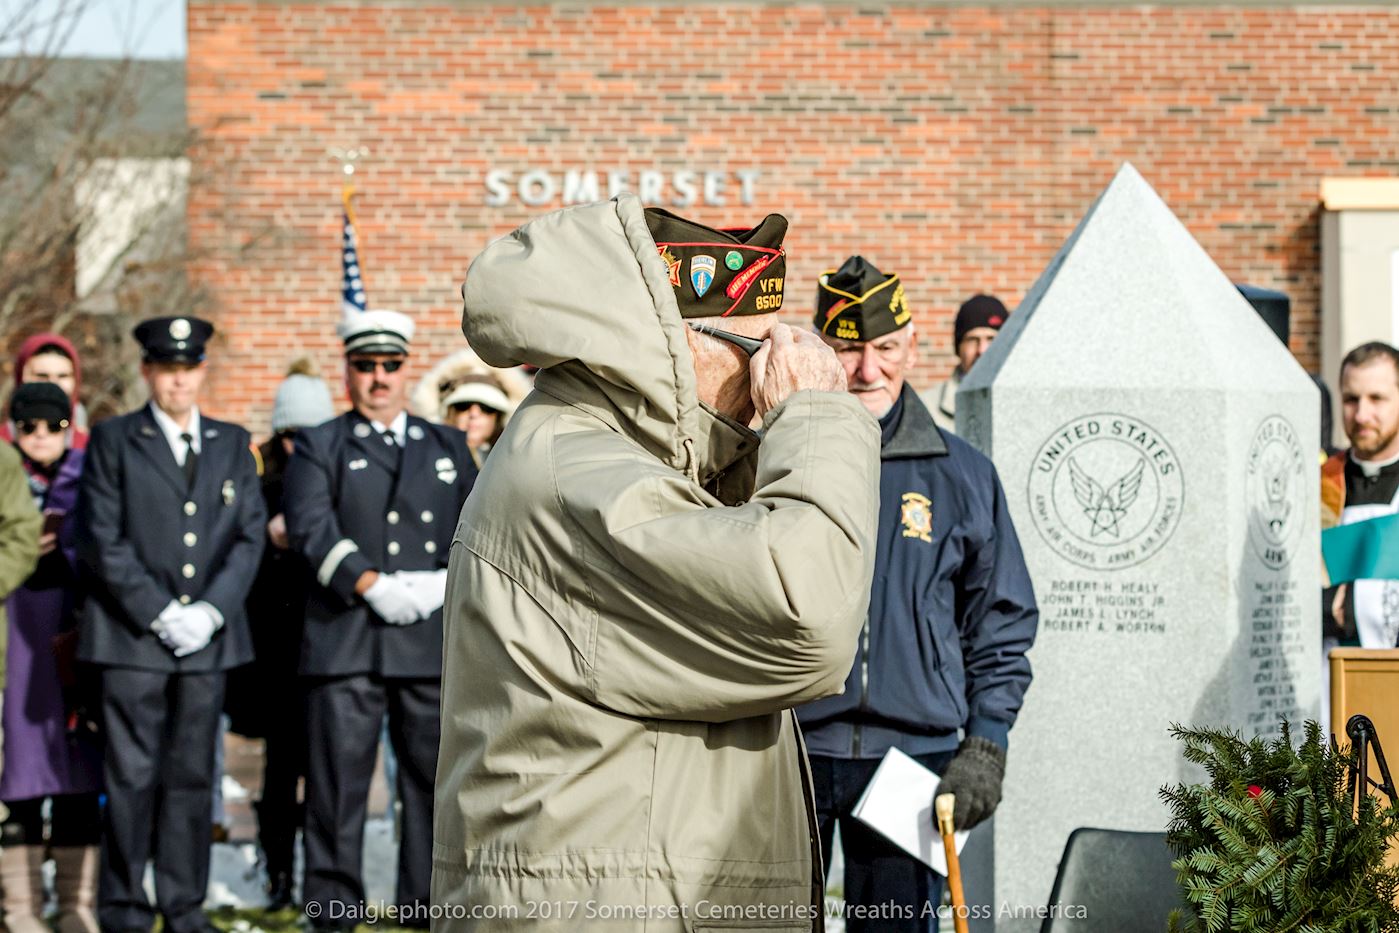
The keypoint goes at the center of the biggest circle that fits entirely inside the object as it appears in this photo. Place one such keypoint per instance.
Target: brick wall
(956, 145)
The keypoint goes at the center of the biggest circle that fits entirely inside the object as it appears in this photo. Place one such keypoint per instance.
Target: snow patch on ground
(237, 878)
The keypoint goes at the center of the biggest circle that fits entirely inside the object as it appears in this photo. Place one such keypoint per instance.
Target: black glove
(975, 776)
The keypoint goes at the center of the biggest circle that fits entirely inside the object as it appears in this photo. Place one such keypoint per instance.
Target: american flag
(352, 284)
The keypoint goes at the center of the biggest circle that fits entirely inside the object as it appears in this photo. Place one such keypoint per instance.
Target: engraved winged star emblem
(1277, 490)
(1104, 507)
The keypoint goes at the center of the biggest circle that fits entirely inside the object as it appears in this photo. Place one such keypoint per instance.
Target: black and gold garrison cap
(721, 273)
(858, 302)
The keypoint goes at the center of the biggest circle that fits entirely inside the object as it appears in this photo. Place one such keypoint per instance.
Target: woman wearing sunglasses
(48, 753)
(51, 358)
(465, 393)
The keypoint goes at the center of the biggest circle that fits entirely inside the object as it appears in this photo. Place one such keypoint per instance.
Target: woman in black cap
(47, 754)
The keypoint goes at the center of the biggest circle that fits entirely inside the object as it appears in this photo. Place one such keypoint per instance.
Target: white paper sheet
(898, 804)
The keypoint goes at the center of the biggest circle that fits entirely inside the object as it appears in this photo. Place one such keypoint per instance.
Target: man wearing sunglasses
(371, 501)
(170, 532)
(940, 671)
(645, 584)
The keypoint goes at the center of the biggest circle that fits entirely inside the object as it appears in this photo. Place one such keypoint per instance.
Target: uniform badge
(212, 432)
(415, 432)
(733, 260)
(702, 273)
(147, 430)
(362, 430)
(180, 329)
(359, 464)
(230, 494)
(447, 476)
(916, 513)
(672, 265)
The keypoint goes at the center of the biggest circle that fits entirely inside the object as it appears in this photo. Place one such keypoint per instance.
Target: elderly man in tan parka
(641, 587)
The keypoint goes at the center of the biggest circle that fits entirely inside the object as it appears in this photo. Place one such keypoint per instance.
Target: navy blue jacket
(146, 537)
(354, 504)
(952, 611)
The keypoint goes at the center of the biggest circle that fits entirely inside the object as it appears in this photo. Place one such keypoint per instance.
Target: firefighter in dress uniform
(170, 532)
(372, 499)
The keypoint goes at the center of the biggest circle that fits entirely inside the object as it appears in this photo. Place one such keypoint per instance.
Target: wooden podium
(1366, 680)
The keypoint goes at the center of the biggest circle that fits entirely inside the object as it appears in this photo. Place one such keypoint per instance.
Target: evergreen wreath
(1273, 842)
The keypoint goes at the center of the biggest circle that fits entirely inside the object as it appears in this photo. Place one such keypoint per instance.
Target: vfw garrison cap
(721, 273)
(173, 339)
(858, 302)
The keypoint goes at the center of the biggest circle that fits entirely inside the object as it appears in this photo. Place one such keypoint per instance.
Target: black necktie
(191, 458)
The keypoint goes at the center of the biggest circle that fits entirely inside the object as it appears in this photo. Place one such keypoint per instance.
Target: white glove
(187, 629)
(391, 600)
(427, 587)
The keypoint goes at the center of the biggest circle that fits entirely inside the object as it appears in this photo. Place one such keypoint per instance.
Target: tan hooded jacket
(625, 634)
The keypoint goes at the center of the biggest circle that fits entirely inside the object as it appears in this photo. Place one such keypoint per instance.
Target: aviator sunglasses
(747, 344)
(368, 366)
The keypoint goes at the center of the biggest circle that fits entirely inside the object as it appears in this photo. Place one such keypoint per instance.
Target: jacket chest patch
(916, 513)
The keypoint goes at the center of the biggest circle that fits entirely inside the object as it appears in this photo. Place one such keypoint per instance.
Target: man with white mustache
(940, 669)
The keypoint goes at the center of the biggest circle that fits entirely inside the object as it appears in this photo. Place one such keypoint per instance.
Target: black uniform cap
(173, 339)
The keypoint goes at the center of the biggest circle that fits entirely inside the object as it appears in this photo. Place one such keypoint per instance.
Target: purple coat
(40, 759)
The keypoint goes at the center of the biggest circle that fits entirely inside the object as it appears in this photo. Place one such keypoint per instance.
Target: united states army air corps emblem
(916, 513)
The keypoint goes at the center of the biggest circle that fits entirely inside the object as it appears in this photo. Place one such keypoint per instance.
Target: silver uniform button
(191, 508)
(191, 539)
(427, 517)
(393, 518)
(393, 548)
(430, 547)
(187, 570)
(184, 600)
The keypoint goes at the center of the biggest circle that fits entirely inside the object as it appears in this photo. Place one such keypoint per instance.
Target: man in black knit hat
(978, 321)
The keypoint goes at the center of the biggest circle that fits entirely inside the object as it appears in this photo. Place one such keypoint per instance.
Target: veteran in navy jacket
(940, 671)
(170, 532)
(372, 499)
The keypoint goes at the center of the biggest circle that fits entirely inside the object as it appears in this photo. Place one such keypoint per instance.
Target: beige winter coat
(622, 647)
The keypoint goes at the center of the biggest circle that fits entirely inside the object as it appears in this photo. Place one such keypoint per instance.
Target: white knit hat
(303, 399)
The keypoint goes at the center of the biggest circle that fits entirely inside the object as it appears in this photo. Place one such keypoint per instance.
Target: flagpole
(352, 287)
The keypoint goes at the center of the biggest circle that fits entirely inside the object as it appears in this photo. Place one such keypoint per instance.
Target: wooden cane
(944, 805)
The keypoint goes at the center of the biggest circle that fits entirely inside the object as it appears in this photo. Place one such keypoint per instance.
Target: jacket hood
(465, 365)
(583, 295)
(32, 346)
